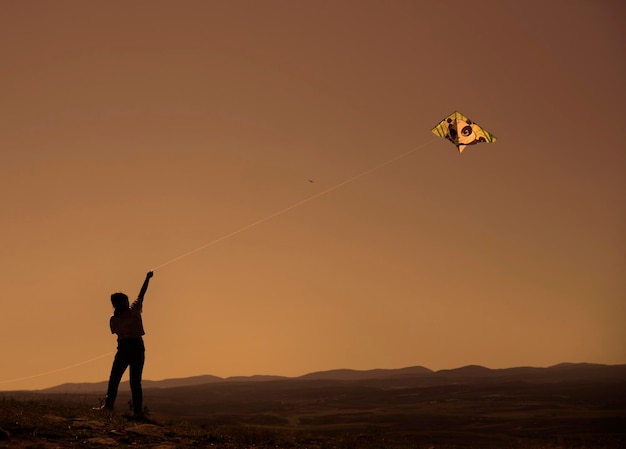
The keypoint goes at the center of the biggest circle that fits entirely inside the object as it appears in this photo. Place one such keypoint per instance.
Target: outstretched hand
(144, 287)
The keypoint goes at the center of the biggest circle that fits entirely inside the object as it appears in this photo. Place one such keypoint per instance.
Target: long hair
(119, 302)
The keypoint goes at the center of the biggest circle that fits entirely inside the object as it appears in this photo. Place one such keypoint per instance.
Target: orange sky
(134, 132)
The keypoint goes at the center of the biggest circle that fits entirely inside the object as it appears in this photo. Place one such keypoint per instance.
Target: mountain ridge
(414, 374)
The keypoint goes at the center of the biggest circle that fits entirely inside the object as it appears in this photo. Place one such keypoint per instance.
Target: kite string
(59, 369)
(238, 231)
(297, 204)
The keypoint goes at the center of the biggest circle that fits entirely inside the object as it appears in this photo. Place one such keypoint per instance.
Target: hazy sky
(134, 132)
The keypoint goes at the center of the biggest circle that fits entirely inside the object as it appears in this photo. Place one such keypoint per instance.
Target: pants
(130, 353)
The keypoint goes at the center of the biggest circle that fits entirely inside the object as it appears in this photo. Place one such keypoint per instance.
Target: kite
(461, 131)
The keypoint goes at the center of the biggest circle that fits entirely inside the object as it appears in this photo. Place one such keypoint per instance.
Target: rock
(147, 430)
(79, 424)
(103, 441)
(55, 419)
(4, 435)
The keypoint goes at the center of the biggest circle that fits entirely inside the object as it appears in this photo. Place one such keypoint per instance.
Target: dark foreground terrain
(564, 407)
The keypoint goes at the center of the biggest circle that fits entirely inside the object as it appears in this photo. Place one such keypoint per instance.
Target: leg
(117, 371)
(136, 371)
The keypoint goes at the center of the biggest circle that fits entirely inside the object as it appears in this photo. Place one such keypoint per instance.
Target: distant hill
(100, 387)
(556, 373)
(350, 374)
(402, 377)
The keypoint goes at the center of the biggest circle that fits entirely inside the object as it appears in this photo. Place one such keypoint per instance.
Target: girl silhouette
(127, 324)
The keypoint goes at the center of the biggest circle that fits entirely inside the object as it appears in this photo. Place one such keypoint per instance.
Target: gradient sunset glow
(132, 133)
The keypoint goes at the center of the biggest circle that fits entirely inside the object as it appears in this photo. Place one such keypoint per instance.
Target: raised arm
(144, 287)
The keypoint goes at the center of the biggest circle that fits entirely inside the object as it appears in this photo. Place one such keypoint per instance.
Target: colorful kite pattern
(461, 131)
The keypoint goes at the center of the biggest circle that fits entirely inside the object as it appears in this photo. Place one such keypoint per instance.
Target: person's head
(119, 302)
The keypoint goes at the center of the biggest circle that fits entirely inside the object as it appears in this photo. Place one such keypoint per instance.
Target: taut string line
(293, 206)
(239, 231)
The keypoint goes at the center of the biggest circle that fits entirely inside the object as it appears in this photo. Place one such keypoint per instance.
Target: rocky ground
(56, 425)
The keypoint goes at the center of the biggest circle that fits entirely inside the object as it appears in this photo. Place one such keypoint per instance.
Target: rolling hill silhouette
(409, 376)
